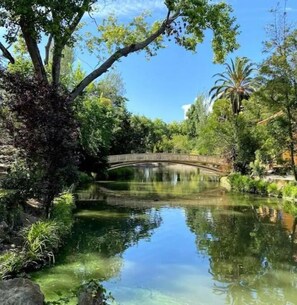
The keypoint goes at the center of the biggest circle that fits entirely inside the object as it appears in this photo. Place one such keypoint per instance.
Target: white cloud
(290, 9)
(127, 7)
(185, 108)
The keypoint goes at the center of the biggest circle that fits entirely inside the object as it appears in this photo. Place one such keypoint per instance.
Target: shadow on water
(165, 239)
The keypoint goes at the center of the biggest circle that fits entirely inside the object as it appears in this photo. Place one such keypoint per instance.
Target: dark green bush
(10, 210)
(84, 178)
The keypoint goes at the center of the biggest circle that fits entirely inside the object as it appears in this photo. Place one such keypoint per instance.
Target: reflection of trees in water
(247, 247)
(99, 238)
(109, 230)
(169, 174)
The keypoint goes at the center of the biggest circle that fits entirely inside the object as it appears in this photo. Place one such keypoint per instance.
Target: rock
(92, 293)
(86, 298)
(20, 292)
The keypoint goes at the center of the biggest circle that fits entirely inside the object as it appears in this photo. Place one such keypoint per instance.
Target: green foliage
(62, 212)
(245, 184)
(20, 180)
(121, 174)
(96, 121)
(42, 238)
(84, 178)
(257, 166)
(196, 117)
(10, 262)
(290, 191)
(235, 84)
(10, 210)
(273, 190)
(278, 75)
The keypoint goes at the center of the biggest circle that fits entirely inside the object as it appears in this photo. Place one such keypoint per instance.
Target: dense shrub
(62, 212)
(84, 178)
(290, 191)
(44, 128)
(273, 190)
(245, 184)
(42, 238)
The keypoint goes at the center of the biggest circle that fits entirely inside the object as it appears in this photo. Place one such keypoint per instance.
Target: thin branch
(123, 52)
(6, 53)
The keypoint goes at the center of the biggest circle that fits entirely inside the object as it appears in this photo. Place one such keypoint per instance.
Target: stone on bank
(20, 292)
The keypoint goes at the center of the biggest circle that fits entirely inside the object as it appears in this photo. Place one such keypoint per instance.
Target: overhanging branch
(119, 54)
(6, 54)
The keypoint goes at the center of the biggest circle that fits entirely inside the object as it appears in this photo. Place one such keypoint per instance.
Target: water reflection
(100, 236)
(193, 245)
(156, 184)
(251, 250)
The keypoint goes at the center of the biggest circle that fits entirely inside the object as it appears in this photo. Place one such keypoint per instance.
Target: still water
(173, 236)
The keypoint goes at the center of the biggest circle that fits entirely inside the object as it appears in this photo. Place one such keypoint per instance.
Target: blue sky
(158, 88)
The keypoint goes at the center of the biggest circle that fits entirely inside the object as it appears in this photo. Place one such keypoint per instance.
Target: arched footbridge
(214, 164)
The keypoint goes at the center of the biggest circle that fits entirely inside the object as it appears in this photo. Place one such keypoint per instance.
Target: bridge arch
(214, 164)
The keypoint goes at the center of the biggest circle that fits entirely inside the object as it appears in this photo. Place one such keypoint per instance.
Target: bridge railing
(155, 157)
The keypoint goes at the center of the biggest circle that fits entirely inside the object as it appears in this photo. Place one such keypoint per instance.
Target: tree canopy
(59, 21)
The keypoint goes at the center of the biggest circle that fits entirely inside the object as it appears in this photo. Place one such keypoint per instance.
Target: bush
(245, 184)
(261, 187)
(290, 191)
(41, 238)
(10, 262)
(84, 178)
(62, 212)
(273, 190)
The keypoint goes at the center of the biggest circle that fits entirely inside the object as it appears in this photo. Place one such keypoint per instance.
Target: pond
(174, 236)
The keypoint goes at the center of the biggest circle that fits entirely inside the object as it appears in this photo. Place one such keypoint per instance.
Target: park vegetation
(64, 121)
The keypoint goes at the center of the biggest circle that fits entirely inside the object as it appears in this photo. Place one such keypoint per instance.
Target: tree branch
(33, 50)
(119, 54)
(60, 43)
(6, 53)
(47, 49)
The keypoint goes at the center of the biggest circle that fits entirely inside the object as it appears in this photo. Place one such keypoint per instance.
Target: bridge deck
(207, 161)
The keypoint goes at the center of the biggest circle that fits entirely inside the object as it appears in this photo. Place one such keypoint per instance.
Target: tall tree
(235, 83)
(58, 20)
(196, 116)
(279, 89)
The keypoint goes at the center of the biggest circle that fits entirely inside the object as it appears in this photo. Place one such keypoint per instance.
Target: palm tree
(235, 83)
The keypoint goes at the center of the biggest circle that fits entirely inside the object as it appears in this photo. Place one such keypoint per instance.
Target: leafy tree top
(185, 20)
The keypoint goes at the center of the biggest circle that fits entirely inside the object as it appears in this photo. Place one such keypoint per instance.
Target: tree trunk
(56, 66)
(291, 143)
(33, 50)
